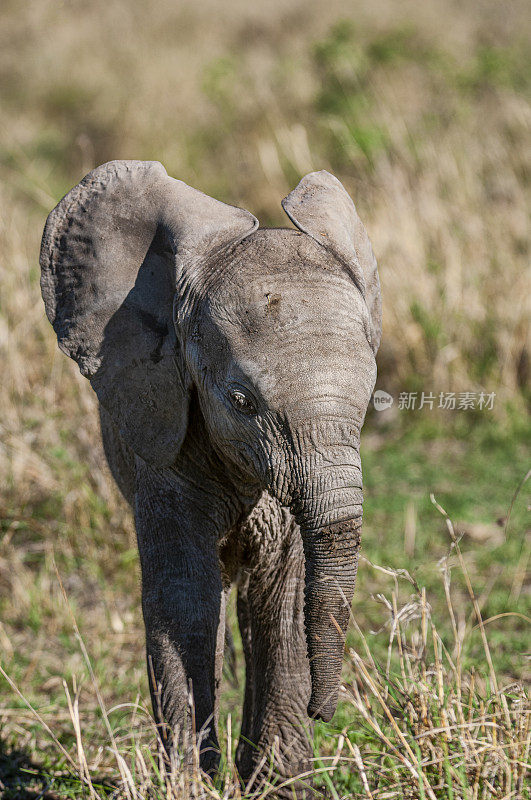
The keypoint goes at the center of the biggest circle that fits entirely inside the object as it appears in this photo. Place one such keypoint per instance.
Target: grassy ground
(423, 112)
(404, 532)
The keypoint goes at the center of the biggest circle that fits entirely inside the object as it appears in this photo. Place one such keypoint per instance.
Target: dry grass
(424, 113)
(419, 725)
(422, 110)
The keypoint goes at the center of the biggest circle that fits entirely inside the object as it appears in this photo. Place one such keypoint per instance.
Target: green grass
(404, 462)
(423, 114)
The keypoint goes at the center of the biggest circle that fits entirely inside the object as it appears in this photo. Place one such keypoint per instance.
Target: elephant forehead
(320, 349)
(285, 282)
(328, 367)
(284, 313)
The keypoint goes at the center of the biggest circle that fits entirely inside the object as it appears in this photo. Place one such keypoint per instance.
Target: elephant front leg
(276, 740)
(183, 607)
(181, 658)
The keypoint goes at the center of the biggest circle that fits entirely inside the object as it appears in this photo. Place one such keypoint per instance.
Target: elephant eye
(241, 401)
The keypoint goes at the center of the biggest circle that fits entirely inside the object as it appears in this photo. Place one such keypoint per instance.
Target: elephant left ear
(321, 207)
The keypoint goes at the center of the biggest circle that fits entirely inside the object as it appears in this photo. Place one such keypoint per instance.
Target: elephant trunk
(330, 525)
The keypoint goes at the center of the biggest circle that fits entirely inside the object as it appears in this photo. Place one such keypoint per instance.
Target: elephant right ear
(112, 252)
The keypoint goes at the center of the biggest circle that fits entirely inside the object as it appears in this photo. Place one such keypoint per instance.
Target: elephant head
(166, 297)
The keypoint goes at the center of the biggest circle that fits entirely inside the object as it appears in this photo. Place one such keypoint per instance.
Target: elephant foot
(291, 780)
(209, 761)
(282, 787)
(209, 755)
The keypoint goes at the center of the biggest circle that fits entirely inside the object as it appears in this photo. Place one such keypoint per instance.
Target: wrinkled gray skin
(233, 366)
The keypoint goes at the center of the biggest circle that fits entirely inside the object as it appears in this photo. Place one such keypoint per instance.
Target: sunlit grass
(423, 113)
(413, 720)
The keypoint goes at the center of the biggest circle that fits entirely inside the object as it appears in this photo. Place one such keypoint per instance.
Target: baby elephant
(233, 366)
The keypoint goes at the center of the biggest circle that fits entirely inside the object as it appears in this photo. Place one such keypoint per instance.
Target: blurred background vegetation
(422, 110)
